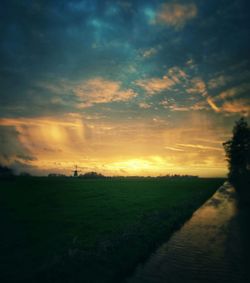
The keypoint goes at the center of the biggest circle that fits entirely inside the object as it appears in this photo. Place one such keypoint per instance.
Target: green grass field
(73, 230)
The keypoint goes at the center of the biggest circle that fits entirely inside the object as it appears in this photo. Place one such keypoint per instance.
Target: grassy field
(73, 230)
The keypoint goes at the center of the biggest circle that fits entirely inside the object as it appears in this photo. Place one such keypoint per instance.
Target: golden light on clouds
(121, 147)
(138, 87)
(99, 90)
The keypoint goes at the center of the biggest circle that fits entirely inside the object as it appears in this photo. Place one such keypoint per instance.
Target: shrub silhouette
(5, 171)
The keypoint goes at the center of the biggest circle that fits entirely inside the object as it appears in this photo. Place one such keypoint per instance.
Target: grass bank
(73, 230)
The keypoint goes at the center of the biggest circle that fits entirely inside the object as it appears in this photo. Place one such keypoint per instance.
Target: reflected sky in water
(206, 249)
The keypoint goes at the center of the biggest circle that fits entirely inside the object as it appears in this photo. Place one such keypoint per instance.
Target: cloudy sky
(122, 87)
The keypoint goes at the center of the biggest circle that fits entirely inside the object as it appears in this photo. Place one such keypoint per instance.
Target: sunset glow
(122, 87)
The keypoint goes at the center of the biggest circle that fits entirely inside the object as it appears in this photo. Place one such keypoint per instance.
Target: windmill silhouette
(75, 172)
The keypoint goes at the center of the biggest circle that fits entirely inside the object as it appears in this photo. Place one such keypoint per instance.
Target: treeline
(8, 172)
(174, 176)
(5, 171)
(95, 175)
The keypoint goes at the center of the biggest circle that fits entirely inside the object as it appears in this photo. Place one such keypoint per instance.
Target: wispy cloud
(175, 107)
(213, 104)
(155, 85)
(173, 148)
(149, 52)
(230, 100)
(218, 82)
(175, 14)
(241, 105)
(177, 78)
(199, 146)
(234, 91)
(144, 105)
(237, 106)
(99, 90)
(197, 86)
(175, 75)
(59, 142)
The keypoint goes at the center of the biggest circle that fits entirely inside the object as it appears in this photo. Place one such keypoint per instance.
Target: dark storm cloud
(11, 148)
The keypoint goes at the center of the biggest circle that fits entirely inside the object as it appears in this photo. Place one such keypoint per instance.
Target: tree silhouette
(238, 153)
(5, 171)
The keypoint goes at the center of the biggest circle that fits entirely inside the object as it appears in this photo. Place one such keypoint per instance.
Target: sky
(122, 87)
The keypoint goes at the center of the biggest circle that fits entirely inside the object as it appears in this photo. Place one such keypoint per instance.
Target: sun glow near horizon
(113, 148)
(122, 87)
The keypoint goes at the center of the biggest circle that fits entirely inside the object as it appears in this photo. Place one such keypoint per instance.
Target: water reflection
(202, 250)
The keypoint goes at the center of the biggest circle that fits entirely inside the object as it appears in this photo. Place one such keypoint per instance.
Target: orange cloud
(213, 105)
(177, 74)
(237, 106)
(48, 136)
(176, 15)
(98, 90)
(197, 86)
(241, 106)
(144, 147)
(234, 91)
(155, 85)
(144, 105)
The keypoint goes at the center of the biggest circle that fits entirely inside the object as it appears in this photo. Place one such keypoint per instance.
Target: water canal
(208, 248)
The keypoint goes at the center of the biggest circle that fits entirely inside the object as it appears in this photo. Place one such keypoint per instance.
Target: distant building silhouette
(75, 172)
